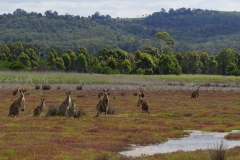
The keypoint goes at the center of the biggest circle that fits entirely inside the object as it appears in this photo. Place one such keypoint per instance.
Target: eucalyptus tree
(164, 39)
(225, 57)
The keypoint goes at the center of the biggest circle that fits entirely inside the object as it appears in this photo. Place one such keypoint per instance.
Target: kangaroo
(16, 91)
(14, 108)
(72, 110)
(63, 108)
(39, 109)
(102, 105)
(195, 94)
(142, 102)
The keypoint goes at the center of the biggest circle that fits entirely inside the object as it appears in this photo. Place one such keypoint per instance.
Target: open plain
(171, 112)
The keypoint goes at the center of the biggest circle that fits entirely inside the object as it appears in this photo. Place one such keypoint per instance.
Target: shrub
(80, 112)
(103, 157)
(218, 152)
(52, 111)
(17, 65)
(79, 87)
(37, 86)
(97, 69)
(111, 110)
(58, 87)
(46, 87)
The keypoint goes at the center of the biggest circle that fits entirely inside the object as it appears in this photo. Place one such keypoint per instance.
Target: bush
(4, 65)
(79, 87)
(111, 110)
(107, 70)
(52, 111)
(46, 87)
(219, 152)
(37, 86)
(80, 112)
(17, 65)
(97, 69)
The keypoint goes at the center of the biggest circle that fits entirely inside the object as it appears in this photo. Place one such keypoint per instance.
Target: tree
(126, 67)
(81, 63)
(60, 64)
(5, 51)
(225, 58)
(51, 61)
(169, 65)
(205, 60)
(213, 65)
(73, 58)
(85, 52)
(24, 59)
(111, 62)
(16, 48)
(164, 39)
(67, 61)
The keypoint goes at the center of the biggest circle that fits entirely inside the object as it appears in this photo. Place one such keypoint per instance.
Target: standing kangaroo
(63, 108)
(195, 94)
(14, 108)
(102, 105)
(142, 102)
(72, 110)
(39, 109)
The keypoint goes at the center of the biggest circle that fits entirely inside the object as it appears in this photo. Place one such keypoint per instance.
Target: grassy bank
(77, 78)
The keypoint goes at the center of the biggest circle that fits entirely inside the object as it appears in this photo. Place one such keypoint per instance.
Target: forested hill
(192, 29)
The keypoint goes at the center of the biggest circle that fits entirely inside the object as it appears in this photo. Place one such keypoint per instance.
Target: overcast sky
(118, 8)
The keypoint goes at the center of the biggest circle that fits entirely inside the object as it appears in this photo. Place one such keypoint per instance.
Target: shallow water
(196, 140)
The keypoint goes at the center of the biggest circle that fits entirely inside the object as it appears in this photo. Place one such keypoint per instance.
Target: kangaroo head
(105, 94)
(43, 102)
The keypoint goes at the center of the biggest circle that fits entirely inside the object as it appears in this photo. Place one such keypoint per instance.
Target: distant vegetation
(194, 41)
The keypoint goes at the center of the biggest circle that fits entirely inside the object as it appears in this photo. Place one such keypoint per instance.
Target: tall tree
(164, 39)
(226, 57)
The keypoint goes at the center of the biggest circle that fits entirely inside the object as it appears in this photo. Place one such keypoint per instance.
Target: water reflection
(196, 140)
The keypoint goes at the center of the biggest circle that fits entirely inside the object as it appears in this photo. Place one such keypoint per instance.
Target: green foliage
(4, 65)
(97, 69)
(17, 65)
(82, 63)
(107, 70)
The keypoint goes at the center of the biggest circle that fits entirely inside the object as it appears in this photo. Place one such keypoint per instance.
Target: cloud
(123, 8)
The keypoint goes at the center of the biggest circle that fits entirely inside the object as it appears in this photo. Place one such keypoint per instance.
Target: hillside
(192, 29)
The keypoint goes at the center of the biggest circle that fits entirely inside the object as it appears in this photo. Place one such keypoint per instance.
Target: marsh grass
(218, 152)
(89, 137)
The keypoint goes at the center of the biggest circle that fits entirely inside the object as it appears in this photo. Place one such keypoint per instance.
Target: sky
(114, 8)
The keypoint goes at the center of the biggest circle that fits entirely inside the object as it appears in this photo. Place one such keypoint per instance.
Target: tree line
(147, 61)
(193, 29)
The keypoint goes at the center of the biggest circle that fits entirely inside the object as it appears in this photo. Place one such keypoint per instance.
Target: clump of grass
(80, 112)
(37, 86)
(58, 87)
(103, 157)
(218, 152)
(52, 111)
(81, 95)
(207, 84)
(135, 94)
(46, 87)
(79, 87)
(232, 136)
(111, 110)
(187, 114)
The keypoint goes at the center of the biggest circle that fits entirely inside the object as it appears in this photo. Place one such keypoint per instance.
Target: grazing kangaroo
(39, 109)
(102, 105)
(16, 91)
(195, 94)
(63, 108)
(142, 102)
(14, 108)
